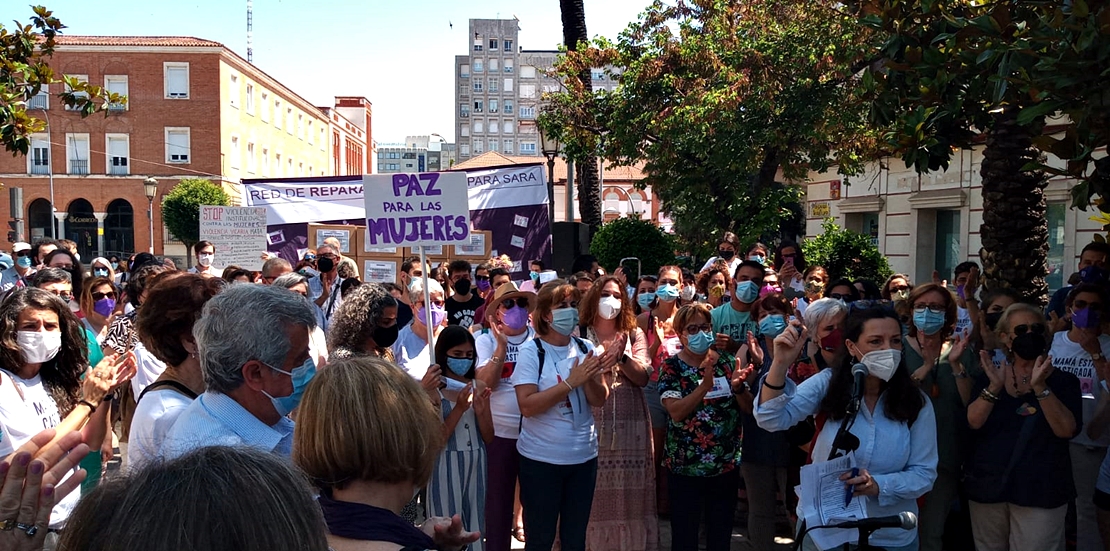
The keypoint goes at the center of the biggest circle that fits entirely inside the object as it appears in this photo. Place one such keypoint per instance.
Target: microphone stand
(845, 441)
(861, 545)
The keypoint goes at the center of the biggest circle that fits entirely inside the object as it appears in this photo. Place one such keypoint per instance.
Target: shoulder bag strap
(180, 388)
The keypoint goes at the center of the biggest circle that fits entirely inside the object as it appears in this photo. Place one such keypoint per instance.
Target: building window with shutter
(176, 80)
(118, 146)
(177, 145)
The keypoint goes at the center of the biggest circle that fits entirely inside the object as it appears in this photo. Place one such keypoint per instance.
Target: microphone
(859, 373)
(904, 520)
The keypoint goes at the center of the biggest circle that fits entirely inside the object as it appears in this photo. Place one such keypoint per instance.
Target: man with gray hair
(273, 269)
(253, 342)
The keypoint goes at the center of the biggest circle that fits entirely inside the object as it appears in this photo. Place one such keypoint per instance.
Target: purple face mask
(483, 285)
(1085, 318)
(515, 318)
(439, 314)
(960, 292)
(104, 306)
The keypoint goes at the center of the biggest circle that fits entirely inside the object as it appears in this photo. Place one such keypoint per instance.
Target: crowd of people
(297, 407)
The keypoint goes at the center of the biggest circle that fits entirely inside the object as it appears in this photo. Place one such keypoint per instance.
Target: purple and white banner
(510, 202)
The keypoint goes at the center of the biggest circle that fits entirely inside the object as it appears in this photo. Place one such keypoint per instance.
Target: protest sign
(238, 233)
(430, 208)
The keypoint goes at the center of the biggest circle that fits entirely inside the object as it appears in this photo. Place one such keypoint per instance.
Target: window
(323, 140)
(177, 145)
(116, 84)
(494, 126)
(1055, 216)
(176, 76)
(252, 161)
(477, 43)
(508, 67)
(492, 85)
(527, 91)
(118, 147)
(233, 90)
(947, 241)
(79, 95)
(508, 85)
(250, 99)
(527, 72)
(289, 120)
(477, 86)
(493, 44)
(233, 155)
(265, 162)
(464, 111)
(300, 169)
(277, 114)
(77, 153)
(527, 112)
(508, 147)
(479, 66)
(464, 71)
(493, 65)
(465, 130)
(508, 45)
(478, 146)
(479, 106)
(597, 74)
(507, 108)
(39, 157)
(464, 149)
(528, 148)
(492, 106)
(265, 103)
(479, 126)
(507, 127)
(41, 100)
(278, 165)
(300, 126)
(289, 167)
(309, 134)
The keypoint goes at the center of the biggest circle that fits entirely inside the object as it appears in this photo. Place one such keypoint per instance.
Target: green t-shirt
(732, 323)
(95, 353)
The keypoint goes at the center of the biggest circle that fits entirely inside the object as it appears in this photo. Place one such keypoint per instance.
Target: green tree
(181, 208)
(956, 74)
(845, 253)
(716, 98)
(632, 237)
(24, 70)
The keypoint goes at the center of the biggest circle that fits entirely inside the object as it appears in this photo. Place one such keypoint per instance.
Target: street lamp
(150, 186)
(551, 148)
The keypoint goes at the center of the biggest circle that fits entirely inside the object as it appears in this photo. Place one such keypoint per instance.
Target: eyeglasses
(439, 302)
(518, 301)
(1081, 304)
(1036, 328)
(899, 288)
(102, 296)
(327, 255)
(931, 307)
(695, 329)
(64, 295)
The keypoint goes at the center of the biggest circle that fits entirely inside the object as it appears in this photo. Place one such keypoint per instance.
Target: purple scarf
(368, 523)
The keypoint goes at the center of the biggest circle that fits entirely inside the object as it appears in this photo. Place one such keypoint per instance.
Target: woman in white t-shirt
(41, 383)
(165, 327)
(557, 379)
(411, 351)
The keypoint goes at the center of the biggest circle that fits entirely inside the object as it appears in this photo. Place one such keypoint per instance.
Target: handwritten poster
(238, 233)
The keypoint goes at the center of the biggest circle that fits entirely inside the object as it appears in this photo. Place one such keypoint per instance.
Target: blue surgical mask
(700, 342)
(23, 262)
(115, 265)
(100, 272)
(534, 275)
(644, 299)
(667, 292)
(564, 320)
(747, 291)
(756, 258)
(772, 325)
(928, 321)
(301, 376)
(460, 366)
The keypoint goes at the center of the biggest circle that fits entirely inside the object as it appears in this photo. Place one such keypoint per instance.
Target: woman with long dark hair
(896, 430)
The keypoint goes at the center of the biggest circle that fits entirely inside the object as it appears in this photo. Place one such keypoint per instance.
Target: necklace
(1024, 378)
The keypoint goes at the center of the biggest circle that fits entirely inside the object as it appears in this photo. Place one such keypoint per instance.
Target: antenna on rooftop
(250, 32)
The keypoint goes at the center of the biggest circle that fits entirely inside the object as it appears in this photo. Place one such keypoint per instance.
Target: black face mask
(386, 336)
(1029, 345)
(325, 264)
(991, 319)
(462, 286)
(725, 254)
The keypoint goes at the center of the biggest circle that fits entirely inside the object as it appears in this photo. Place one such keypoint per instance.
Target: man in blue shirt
(253, 347)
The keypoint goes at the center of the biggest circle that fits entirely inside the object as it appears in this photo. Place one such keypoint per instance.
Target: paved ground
(739, 538)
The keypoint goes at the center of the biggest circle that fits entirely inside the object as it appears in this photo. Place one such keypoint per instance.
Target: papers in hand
(821, 500)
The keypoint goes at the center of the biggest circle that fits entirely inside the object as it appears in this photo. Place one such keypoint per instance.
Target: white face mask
(39, 346)
(609, 307)
(882, 363)
(205, 259)
(689, 292)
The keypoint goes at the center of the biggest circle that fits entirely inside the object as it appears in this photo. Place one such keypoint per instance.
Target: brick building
(194, 109)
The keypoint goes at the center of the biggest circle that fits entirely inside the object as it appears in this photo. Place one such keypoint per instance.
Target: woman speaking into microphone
(895, 426)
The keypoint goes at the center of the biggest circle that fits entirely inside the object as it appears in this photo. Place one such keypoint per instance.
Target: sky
(398, 54)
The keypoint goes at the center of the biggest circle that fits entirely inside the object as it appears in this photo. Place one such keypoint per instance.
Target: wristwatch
(1097, 356)
(1042, 395)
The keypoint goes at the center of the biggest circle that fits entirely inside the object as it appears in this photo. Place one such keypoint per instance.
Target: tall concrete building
(417, 154)
(499, 89)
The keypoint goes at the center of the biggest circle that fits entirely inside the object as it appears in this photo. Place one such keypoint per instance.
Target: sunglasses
(841, 296)
(899, 288)
(1036, 328)
(310, 257)
(482, 277)
(510, 302)
(23, 253)
(102, 296)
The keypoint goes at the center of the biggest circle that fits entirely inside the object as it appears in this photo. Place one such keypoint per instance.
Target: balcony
(117, 107)
(78, 167)
(38, 102)
(118, 168)
(38, 167)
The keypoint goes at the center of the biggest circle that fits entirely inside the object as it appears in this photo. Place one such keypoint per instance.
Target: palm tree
(586, 169)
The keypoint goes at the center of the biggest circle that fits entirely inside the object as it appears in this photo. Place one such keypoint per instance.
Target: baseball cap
(20, 246)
